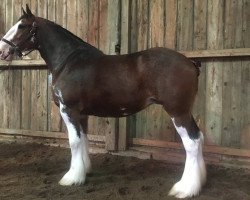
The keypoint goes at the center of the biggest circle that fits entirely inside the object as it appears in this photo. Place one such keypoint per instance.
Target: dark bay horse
(85, 81)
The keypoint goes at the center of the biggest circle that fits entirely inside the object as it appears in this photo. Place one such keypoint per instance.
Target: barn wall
(222, 108)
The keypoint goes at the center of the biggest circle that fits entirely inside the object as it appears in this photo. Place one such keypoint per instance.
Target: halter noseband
(16, 48)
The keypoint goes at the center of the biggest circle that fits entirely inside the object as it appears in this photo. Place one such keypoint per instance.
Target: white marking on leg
(80, 162)
(194, 175)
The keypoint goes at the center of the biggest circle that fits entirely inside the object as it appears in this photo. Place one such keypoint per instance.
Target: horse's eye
(22, 26)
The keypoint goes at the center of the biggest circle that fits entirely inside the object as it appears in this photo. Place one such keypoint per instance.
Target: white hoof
(72, 178)
(181, 190)
(191, 183)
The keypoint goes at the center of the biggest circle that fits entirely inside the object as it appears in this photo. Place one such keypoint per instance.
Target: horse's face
(20, 38)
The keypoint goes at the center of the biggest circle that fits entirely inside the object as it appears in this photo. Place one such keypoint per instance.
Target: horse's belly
(114, 110)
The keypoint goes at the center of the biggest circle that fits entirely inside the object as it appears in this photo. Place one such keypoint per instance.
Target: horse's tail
(197, 64)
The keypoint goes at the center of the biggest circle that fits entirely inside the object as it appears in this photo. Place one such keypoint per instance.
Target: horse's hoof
(72, 178)
(184, 190)
(179, 190)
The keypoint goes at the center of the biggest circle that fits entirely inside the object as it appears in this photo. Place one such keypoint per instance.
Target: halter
(16, 48)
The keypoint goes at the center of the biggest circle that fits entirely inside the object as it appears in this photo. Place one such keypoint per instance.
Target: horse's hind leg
(80, 162)
(194, 175)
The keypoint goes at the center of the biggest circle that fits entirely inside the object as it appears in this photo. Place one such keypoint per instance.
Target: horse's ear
(24, 13)
(29, 13)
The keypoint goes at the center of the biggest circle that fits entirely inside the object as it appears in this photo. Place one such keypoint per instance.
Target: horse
(85, 81)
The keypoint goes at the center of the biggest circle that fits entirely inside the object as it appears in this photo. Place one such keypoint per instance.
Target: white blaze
(9, 36)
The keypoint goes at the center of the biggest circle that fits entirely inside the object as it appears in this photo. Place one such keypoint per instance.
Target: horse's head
(20, 38)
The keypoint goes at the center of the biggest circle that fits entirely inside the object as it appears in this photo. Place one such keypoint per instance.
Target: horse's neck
(57, 44)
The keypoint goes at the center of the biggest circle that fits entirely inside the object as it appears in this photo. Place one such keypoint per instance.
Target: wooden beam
(207, 149)
(240, 52)
(22, 63)
(46, 134)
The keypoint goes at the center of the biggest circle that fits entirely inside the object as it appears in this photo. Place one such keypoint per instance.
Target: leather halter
(16, 48)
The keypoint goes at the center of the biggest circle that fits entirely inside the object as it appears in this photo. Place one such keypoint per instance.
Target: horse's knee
(187, 123)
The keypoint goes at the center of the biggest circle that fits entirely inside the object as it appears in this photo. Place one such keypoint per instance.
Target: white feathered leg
(194, 175)
(80, 162)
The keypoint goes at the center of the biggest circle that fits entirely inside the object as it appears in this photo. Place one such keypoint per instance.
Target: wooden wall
(222, 108)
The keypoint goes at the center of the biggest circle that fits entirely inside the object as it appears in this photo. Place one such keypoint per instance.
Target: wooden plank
(60, 15)
(114, 9)
(245, 81)
(6, 74)
(61, 12)
(39, 87)
(42, 81)
(2, 74)
(133, 27)
(33, 77)
(125, 45)
(170, 23)
(142, 31)
(54, 121)
(185, 25)
(95, 125)
(103, 40)
(200, 43)
(72, 16)
(184, 33)
(142, 24)
(47, 134)
(15, 80)
(206, 149)
(217, 53)
(23, 63)
(82, 18)
(125, 26)
(237, 52)
(156, 116)
(232, 106)
(93, 21)
(26, 90)
(214, 73)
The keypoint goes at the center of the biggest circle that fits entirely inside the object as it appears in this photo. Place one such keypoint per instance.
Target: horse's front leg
(80, 162)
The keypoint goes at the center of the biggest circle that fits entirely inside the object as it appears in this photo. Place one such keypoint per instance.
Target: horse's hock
(42, 101)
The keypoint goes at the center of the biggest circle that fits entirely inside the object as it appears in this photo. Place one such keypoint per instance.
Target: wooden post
(125, 43)
(113, 41)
